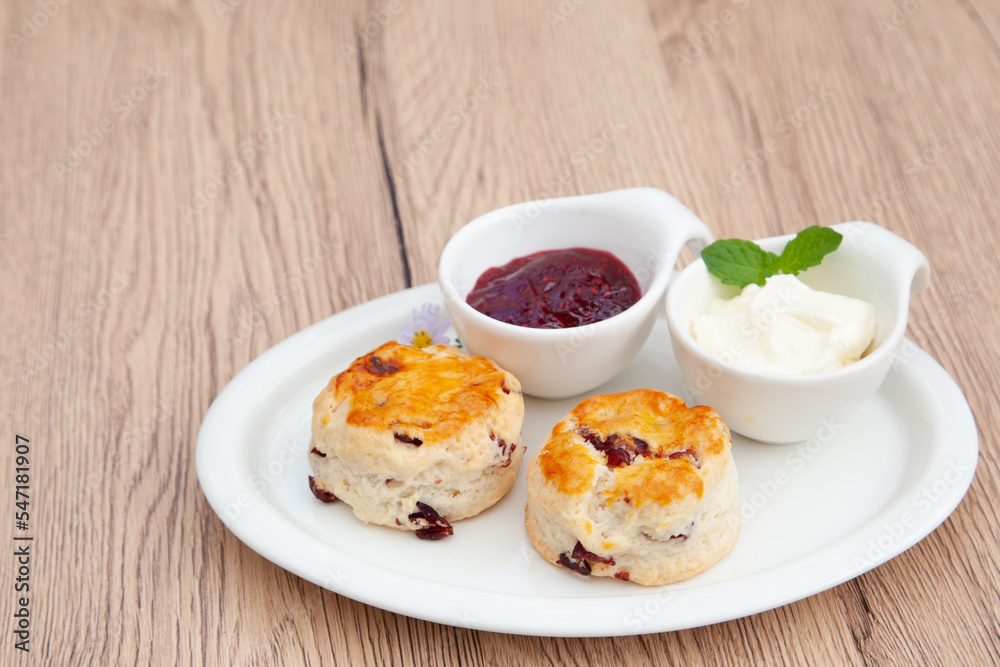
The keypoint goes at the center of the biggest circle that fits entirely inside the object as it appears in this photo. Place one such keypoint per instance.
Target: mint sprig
(740, 263)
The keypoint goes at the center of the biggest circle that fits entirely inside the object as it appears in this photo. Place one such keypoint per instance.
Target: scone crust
(638, 478)
(404, 425)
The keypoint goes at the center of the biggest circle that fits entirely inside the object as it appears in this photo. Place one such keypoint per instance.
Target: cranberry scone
(636, 486)
(414, 439)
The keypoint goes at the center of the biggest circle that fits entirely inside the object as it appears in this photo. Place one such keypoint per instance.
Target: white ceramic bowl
(644, 227)
(872, 264)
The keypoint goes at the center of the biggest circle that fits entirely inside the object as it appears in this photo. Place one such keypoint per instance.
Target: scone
(416, 438)
(636, 486)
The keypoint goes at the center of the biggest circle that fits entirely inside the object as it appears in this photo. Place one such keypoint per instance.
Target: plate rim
(485, 609)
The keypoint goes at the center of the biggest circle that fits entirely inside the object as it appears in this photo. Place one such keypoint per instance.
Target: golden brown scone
(636, 486)
(413, 439)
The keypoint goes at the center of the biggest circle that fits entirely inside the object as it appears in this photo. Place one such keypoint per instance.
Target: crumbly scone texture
(637, 486)
(404, 425)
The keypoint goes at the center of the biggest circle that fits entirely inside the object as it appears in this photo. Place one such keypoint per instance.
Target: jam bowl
(645, 228)
(871, 264)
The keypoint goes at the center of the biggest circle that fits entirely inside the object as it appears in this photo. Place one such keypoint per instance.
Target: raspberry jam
(556, 289)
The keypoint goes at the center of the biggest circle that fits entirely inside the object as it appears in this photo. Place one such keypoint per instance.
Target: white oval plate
(814, 515)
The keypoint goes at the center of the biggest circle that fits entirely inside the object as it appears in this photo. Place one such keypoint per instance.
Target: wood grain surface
(185, 183)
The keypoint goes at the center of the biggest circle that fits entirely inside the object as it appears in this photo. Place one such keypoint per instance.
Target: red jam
(556, 289)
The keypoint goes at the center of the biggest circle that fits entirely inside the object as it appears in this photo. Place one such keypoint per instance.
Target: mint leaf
(738, 262)
(808, 248)
(773, 264)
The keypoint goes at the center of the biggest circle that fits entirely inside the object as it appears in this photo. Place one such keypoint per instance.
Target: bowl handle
(910, 265)
(685, 227)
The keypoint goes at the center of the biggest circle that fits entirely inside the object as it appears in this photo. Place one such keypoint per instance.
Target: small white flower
(426, 329)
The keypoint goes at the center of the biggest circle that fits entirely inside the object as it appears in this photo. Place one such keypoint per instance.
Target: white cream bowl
(872, 264)
(644, 227)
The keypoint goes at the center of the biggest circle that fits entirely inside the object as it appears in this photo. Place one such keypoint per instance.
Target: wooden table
(168, 169)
